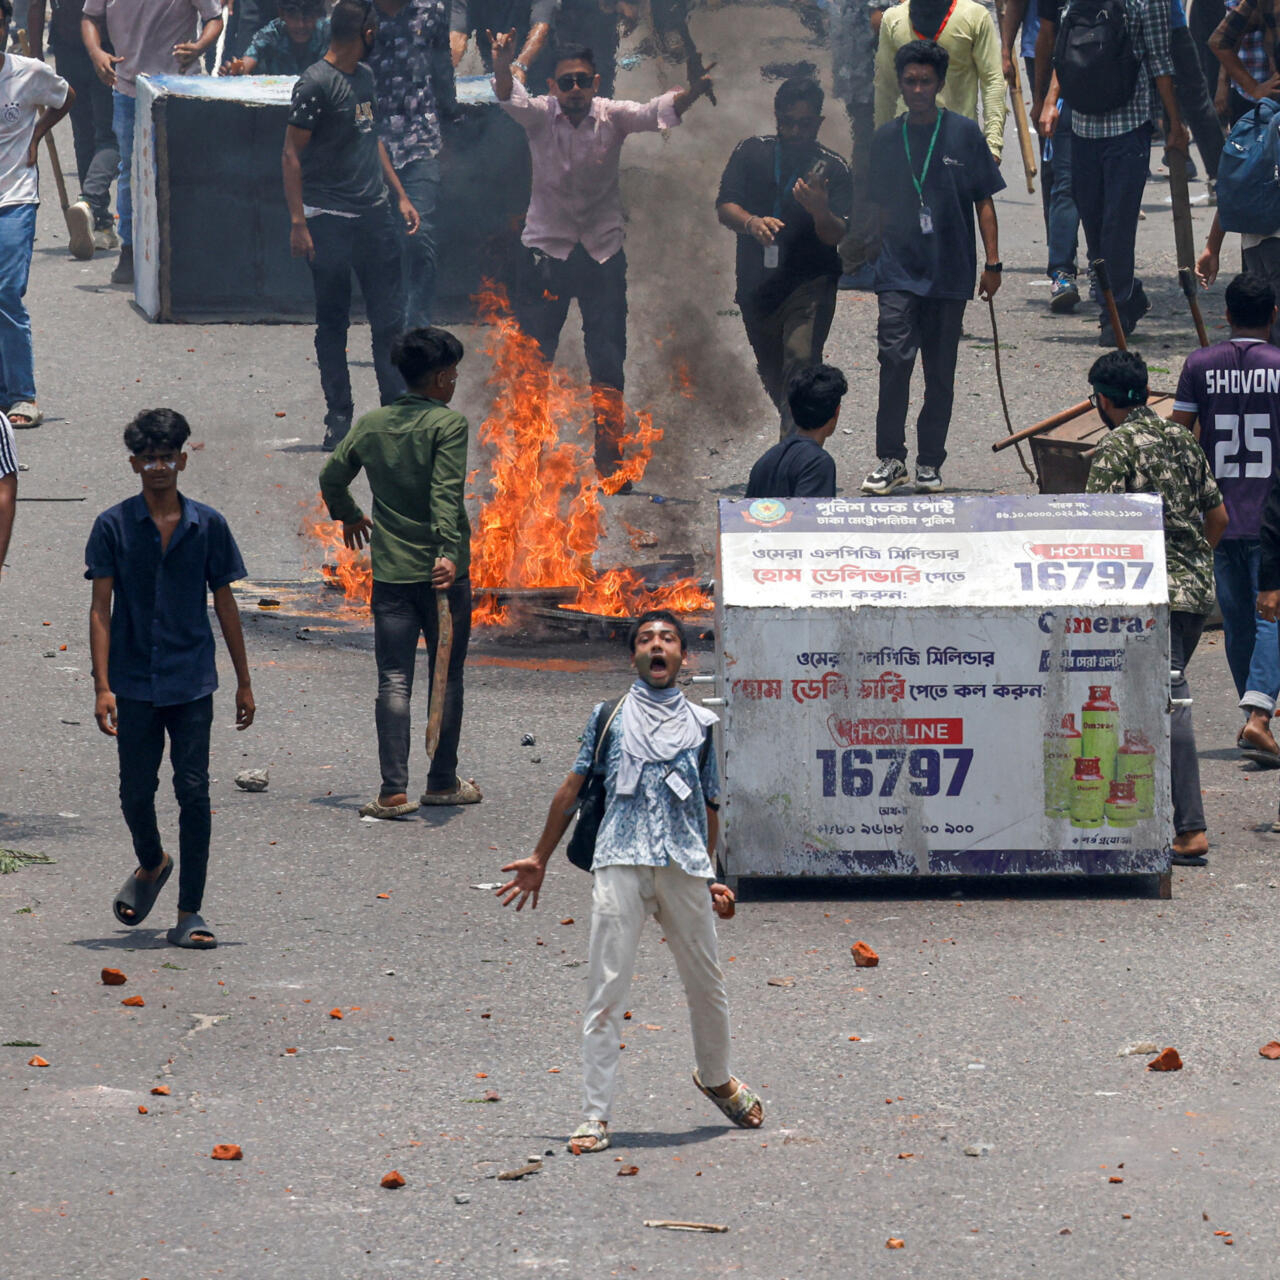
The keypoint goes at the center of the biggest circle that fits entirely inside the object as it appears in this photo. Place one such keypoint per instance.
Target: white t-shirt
(25, 84)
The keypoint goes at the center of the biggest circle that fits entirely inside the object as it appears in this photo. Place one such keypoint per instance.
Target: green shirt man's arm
(335, 479)
(448, 479)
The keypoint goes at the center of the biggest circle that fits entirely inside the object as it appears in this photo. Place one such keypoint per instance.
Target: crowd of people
(924, 83)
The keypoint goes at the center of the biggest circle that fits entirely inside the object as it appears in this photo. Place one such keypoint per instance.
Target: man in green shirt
(1143, 453)
(414, 453)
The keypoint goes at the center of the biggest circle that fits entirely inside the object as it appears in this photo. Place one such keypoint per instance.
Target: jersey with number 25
(1233, 387)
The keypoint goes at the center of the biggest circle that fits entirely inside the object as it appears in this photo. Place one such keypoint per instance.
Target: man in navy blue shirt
(152, 559)
(800, 466)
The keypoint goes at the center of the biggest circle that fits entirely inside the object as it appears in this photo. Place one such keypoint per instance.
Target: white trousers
(622, 898)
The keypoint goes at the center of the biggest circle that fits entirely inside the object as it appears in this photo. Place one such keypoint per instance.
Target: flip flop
(139, 896)
(589, 1131)
(737, 1106)
(376, 809)
(180, 934)
(25, 409)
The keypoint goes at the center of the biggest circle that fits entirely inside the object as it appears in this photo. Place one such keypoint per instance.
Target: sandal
(464, 791)
(591, 1131)
(139, 896)
(737, 1106)
(28, 411)
(181, 934)
(376, 809)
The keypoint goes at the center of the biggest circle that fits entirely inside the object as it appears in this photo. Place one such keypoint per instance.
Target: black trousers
(97, 158)
(1195, 102)
(403, 611)
(544, 289)
(370, 246)
(141, 728)
(1184, 763)
(930, 326)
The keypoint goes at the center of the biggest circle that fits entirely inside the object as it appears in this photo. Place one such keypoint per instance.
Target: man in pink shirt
(574, 228)
(150, 37)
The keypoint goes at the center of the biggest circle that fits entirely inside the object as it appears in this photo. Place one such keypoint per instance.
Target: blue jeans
(1107, 176)
(123, 111)
(1251, 641)
(421, 182)
(17, 364)
(402, 611)
(1061, 220)
(141, 730)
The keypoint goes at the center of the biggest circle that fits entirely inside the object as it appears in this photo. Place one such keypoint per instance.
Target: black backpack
(1094, 57)
(591, 799)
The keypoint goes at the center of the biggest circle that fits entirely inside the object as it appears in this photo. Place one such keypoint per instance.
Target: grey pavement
(992, 1022)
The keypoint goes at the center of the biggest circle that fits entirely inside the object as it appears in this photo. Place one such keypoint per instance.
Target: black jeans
(930, 326)
(402, 611)
(370, 246)
(97, 157)
(543, 292)
(789, 338)
(1194, 100)
(1107, 176)
(1184, 764)
(141, 728)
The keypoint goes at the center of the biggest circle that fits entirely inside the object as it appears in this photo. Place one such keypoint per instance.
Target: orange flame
(543, 519)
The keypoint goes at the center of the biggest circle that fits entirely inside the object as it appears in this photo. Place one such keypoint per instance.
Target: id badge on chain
(678, 785)
(926, 221)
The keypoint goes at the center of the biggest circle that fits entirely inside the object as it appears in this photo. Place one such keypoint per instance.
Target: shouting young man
(652, 857)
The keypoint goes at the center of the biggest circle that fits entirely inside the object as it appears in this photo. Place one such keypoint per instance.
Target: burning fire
(543, 519)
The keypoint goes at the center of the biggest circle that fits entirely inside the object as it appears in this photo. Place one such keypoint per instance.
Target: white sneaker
(889, 475)
(105, 239)
(80, 230)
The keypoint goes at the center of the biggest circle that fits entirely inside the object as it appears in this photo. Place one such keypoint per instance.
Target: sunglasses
(578, 80)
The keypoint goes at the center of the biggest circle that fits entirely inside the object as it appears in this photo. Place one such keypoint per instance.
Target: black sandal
(139, 896)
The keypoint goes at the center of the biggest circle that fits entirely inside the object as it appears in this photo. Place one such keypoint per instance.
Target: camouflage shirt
(1146, 454)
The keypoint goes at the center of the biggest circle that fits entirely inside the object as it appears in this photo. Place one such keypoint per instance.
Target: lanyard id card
(681, 789)
(926, 216)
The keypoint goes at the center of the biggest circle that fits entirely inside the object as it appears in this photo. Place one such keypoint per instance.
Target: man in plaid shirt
(1110, 152)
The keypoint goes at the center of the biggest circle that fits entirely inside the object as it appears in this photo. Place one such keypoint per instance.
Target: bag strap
(601, 734)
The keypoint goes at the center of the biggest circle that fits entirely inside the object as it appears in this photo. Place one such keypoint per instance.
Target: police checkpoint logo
(767, 512)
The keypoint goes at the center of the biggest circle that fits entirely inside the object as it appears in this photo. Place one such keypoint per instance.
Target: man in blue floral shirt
(652, 857)
(414, 73)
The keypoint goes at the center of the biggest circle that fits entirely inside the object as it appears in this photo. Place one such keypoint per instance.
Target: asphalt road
(993, 1021)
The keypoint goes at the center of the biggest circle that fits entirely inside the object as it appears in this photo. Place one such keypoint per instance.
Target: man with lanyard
(965, 29)
(931, 171)
(414, 73)
(787, 198)
(1229, 394)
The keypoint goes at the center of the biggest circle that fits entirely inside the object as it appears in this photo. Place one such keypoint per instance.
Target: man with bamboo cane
(414, 452)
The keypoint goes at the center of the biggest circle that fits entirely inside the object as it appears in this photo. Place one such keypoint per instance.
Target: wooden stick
(1103, 277)
(48, 137)
(672, 1225)
(1184, 239)
(1004, 403)
(1047, 425)
(440, 681)
(1188, 282)
(1020, 122)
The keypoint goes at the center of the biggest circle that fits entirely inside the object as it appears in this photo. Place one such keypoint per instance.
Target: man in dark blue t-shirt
(800, 466)
(153, 560)
(931, 170)
(1230, 394)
